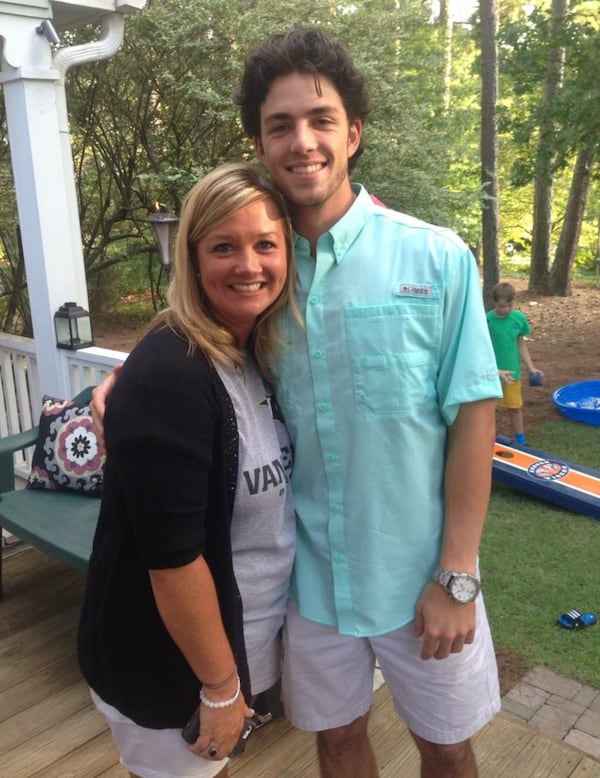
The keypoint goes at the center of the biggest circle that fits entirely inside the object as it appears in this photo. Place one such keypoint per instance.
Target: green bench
(61, 524)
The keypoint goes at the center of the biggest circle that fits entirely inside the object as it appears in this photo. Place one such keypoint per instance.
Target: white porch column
(45, 191)
(33, 82)
(53, 256)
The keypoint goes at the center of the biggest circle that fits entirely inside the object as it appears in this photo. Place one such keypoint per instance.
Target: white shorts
(154, 753)
(328, 679)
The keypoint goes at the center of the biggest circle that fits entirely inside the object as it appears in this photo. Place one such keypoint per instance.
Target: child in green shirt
(508, 329)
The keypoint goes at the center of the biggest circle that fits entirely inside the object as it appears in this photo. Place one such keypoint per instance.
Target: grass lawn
(539, 561)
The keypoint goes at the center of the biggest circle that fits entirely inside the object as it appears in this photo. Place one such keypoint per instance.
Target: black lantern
(73, 327)
(163, 223)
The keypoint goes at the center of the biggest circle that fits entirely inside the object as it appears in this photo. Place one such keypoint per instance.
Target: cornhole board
(547, 477)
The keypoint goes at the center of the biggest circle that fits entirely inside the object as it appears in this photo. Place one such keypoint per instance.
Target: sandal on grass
(573, 619)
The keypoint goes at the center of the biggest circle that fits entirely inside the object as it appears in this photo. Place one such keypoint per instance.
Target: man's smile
(313, 168)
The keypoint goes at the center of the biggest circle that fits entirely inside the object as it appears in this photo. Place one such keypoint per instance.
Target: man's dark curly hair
(300, 50)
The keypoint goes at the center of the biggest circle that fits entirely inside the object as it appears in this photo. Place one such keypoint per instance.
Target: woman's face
(242, 264)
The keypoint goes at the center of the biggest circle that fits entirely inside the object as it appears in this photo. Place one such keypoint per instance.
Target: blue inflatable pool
(579, 402)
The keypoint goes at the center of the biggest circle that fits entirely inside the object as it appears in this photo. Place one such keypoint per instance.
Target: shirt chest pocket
(393, 355)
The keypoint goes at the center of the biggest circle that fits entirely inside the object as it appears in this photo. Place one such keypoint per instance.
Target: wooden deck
(49, 729)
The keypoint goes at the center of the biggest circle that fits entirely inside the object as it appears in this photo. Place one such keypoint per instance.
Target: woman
(187, 583)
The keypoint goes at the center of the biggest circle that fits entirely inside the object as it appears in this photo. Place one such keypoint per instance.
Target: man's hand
(98, 404)
(507, 376)
(445, 626)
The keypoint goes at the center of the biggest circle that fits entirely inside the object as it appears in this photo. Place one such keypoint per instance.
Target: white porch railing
(20, 392)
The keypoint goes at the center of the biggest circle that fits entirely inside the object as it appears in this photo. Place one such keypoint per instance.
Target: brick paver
(552, 682)
(553, 720)
(588, 697)
(559, 707)
(589, 722)
(527, 695)
(587, 743)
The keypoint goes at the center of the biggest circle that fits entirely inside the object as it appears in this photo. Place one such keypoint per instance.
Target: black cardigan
(169, 485)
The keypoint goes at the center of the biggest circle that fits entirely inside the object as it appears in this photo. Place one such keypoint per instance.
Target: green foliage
(539, 561)
(550, 114)
(131, 313)
(527, 46)
(151, 120)
(584, 270)
(146, 123)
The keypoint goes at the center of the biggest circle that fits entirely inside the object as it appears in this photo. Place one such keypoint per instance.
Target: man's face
(305, 143)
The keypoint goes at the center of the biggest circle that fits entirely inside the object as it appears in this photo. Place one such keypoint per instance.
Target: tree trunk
(446, 27)
(560, 276)
(544, 163)
(17, 316)
(490, 219)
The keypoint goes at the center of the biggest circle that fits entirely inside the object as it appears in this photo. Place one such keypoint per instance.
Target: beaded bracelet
(223, 703)
(229, 679)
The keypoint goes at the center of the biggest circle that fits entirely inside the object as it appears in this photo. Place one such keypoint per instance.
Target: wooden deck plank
(508, 748)
(587, 768)
(46, 713)
(21, 572)
(40, 684)
(40, 751)
(98, 756)
(45, 642)
(114, 772)
(295, 754)
(61, 589)
(50, 729)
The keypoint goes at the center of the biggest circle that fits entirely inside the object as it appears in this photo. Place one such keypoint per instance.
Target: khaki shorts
(328, 679)
(154, 753)
(512, 396)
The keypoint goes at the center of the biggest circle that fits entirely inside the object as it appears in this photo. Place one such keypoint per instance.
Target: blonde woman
(188, 579)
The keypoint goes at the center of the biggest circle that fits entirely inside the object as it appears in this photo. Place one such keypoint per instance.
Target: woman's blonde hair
(210, 202)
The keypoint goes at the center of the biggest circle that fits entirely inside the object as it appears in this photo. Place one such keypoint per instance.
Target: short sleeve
(468, 370)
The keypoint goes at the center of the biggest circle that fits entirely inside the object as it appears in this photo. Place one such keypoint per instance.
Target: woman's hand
(194, 623)
(220, 730)
(98, 404)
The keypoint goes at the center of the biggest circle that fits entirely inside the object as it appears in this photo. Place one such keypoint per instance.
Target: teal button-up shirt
(395, 340)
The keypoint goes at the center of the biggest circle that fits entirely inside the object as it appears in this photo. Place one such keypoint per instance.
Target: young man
(389, 396)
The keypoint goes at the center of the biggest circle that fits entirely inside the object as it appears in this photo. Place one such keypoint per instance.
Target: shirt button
(317, 353)
(323, 406)
(335, 508)
(330, 457)
(313, 299)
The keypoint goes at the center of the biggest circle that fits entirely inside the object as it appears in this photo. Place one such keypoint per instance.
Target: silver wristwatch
(462, 587)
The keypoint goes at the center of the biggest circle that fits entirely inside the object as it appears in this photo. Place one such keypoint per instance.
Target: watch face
(464, 588)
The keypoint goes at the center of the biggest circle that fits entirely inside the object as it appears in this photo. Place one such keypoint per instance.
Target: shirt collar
(343, 233)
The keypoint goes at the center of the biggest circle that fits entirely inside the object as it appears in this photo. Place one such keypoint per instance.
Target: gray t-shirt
(263, 526)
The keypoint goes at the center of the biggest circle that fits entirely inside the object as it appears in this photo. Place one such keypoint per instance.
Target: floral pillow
(67, 454)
